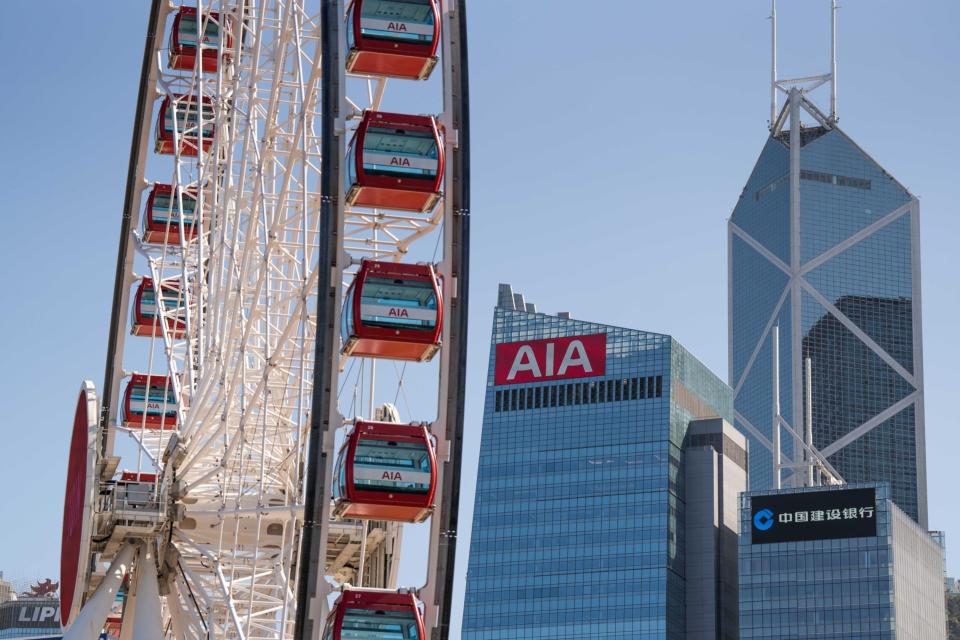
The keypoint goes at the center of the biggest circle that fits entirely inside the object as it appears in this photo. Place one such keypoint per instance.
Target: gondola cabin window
(393, 303)
(374, 615)
(362, 624)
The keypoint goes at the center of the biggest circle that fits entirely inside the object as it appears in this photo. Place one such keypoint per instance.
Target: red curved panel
(76, 506)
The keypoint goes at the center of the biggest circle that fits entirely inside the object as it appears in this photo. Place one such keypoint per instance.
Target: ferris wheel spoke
(214, 569)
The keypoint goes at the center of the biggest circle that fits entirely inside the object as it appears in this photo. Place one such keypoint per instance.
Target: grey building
(824, 244)
(607, 458)
(837, 563)
(715, 474)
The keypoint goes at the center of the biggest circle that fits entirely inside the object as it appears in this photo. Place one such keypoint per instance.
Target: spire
(805, 84)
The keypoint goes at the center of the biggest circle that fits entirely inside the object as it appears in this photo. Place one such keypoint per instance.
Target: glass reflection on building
(832, 258)
(578, 528)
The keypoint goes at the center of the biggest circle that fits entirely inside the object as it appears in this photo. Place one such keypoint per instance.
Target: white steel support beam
(94, 613)
(862, 234)
(776, 419)
(796, 317)
(759, 248)
(808, 418)
(763, 338)
(754, 431)
(148, 623)
(859, 333)
(870, 424)
(917, 318)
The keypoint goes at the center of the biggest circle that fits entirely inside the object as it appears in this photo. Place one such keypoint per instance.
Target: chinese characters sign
(819, 515)
(554, 359)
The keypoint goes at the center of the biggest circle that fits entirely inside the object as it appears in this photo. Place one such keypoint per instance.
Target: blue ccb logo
(763, 520)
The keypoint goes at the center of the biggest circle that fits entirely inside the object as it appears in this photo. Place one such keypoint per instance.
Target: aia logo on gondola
(399, 162)
(553, 359)
(392, 475)
(398, 313)
(397, 26)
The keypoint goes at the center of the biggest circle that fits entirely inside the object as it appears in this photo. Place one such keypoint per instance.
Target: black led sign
(816, 515)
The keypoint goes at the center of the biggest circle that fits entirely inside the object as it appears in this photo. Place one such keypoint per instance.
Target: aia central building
(583, 497)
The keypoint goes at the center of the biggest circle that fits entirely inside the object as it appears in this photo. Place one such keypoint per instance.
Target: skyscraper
(586, 495)
(823, 244)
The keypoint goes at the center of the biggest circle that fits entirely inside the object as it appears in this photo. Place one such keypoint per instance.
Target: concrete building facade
(715, 473)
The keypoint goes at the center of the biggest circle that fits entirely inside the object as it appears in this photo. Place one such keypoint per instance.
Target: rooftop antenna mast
(808, 83)
(833, 60)
(773, 62)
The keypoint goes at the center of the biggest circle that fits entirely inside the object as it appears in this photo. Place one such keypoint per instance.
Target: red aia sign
(553, 359)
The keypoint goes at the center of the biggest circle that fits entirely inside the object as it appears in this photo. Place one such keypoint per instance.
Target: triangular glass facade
(847, 302)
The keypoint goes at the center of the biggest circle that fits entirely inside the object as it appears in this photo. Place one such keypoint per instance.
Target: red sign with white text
(552, 359)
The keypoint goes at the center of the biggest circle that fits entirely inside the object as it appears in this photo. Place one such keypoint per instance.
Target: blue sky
(610, 144)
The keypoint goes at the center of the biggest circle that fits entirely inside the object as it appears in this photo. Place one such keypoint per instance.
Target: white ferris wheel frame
(223, 522)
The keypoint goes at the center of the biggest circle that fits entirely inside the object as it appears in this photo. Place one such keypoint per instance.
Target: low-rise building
(841, 562)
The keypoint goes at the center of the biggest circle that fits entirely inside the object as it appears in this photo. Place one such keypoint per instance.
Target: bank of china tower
(824, 251)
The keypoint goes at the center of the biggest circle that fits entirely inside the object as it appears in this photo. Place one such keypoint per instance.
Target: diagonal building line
(870, 424)
(759, 248)
(753, 430)
(857, 331)
(802, 446)
(761, 340)
(855, 238)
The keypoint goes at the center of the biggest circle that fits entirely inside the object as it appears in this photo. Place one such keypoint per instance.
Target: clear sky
(610, 144)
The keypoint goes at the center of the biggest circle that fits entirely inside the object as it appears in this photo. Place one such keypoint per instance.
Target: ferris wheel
(293, 262)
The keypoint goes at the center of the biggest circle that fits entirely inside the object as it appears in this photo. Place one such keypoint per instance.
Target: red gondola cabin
(374, 615)
(162, 214)
(150, 405)
(393, 311)
(394, 38)
(188, 125)
(395, 161)
(386, 471)
(183, 40)
(146, 322)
